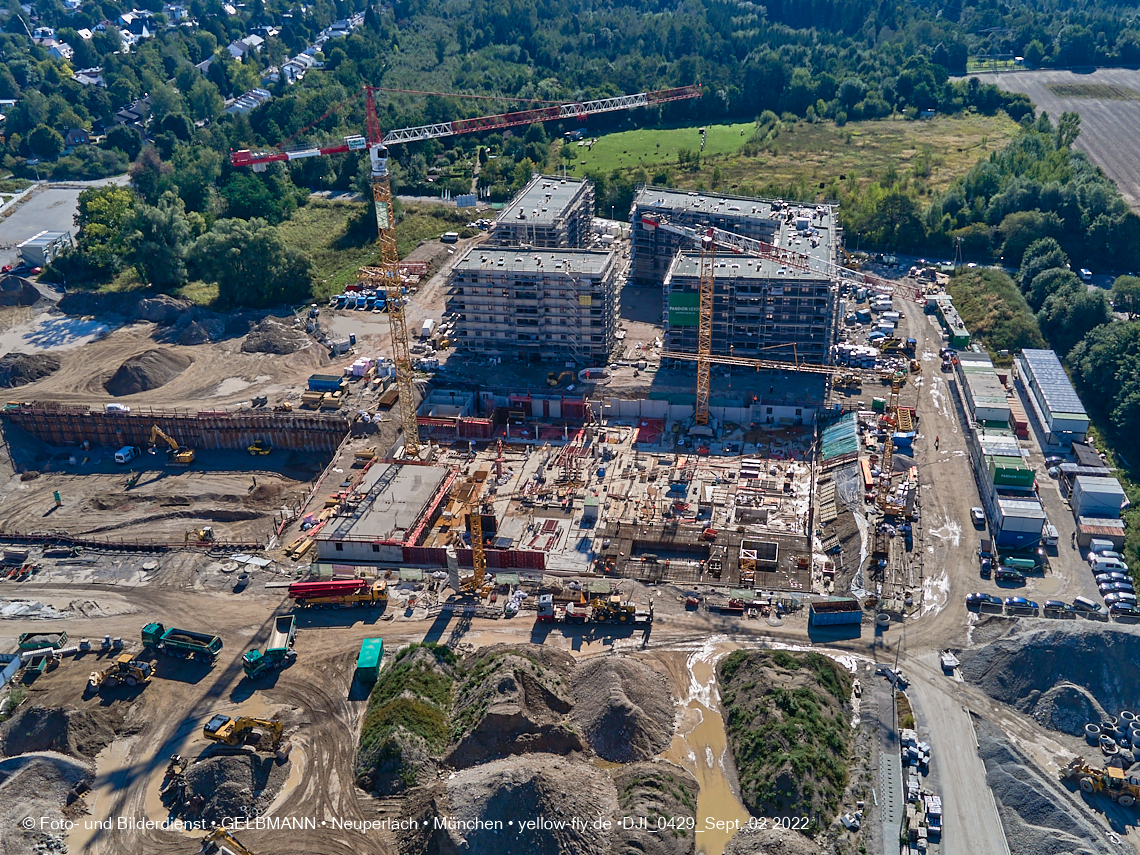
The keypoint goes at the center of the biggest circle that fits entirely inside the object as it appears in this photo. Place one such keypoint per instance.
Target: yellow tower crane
(467, 495)
(704, 327)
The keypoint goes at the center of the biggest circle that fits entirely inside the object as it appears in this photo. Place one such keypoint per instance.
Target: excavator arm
(220, 841)
(157, 433)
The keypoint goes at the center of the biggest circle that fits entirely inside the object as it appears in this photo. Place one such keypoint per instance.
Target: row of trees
(167, 246)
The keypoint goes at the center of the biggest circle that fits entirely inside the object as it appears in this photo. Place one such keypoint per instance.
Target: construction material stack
(278, 652)
(610, 609)
(339, 593)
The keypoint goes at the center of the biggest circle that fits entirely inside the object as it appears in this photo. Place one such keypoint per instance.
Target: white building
(1052, 398)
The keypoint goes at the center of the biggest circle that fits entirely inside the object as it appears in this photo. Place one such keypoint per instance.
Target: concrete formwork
(72, 426)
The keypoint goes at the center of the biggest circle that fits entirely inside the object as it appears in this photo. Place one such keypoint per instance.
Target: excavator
(178, 455)
(123, 669)
(553, 379)
(234, 731)
(221, 842)
(201, 535)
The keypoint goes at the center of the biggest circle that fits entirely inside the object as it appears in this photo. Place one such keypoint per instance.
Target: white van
(126, 454)
(1049, 535)
(1109, 565)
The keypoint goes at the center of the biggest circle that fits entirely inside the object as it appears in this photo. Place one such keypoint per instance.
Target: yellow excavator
(234, 731)
(178, 455)
(201, 535)
(553, 379)
(219, 841)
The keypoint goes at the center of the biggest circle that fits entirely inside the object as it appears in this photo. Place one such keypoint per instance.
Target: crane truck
(182, 643)
(339, 594)
(278, 652)
(610, 609)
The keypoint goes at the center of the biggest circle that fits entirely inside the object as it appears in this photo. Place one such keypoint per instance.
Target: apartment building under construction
(548, 213)
(537, 304)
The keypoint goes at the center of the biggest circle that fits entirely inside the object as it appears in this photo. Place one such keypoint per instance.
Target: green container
(1026, 565)
(368, 662)
(879, 405)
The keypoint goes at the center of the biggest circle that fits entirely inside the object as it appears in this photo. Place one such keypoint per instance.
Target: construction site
(385, 577)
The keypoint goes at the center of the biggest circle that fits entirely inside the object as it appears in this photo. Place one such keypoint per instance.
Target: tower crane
(386, 276)
(467, 495)
(709, 240)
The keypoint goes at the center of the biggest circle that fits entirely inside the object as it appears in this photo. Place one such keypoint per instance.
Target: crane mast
(704, 327)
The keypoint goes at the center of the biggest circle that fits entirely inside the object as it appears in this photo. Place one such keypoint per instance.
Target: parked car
(1119, 597)
(1057, 608)
(1053, 460)
(1110, 587)
(1120, 610)
(1108, 554)
(1089, 609)
(987, 568)
(1009, 576)
(1020, 605)
(979, 600)
(978, 516)
(1110, 577)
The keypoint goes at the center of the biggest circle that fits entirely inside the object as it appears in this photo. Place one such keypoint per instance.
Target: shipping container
(324, 382)
(368, 661)
(837, 610)
(1097, 497)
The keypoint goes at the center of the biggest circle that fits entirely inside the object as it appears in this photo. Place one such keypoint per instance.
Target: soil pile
(779, 702)
(160, 309)
(533, 786)
(194, 333)
(273, 336)
(1039, 814)
(513, 701)
(80, 733)
(655, 790)
(237, 785)
(37, 785)
(770, 841)
(624, 707)
(18, 369)
(17, 291)
(1093, 668)
(149, 370)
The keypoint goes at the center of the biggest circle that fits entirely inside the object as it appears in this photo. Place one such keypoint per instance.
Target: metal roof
(1051, 379)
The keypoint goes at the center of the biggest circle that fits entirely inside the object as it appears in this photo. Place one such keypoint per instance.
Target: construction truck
(610, 609)
(124, 669)
(221, 842)
(259, 448)
(1112, 781)
(278, 652)
(235, 731)
(339, 594)
(176, 454)
(182, 643)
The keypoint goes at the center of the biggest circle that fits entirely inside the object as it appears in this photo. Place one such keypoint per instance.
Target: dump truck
(41, 640)
(368, 661)
(278, 652)
(1112, 781)
(182, 643)
(124, 669)
(339, 593)
(599, 610)
(235, 731)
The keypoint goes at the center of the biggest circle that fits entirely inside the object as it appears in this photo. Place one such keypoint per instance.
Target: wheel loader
(123, 669)
(1111, 781)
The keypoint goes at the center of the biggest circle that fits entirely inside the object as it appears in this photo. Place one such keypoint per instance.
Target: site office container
(368, 660)
(841, 610)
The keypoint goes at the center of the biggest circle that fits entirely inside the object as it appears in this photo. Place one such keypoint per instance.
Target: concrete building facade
(559, 305)
(549, 213)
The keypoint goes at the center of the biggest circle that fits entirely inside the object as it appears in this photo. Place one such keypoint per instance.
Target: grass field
(803, 155)
(1100, 91)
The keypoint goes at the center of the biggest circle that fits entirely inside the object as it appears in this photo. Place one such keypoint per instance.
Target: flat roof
(741, 207)
(1023, 508)
(734, 266)
(1051, 379)
(394, 497)
(44, 239)
(515, 260)
(543, 201)
(1102, 485)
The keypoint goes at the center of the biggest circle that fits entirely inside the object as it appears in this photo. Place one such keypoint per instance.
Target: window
(376, 547)
(769, 411)
(799, 412)
(340, 547)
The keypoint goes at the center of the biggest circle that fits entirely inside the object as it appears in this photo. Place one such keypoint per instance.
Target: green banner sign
(684, 309)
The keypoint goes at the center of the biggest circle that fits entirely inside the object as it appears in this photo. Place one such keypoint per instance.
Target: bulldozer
(221, 842)
(123, 669)
(235, 731)
(1112, 781)
(178, 455)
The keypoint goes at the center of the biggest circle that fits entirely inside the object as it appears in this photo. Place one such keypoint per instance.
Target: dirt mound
(1068, 708)
(17, 291)
(37, 785)
(534, 786)
(18, 369)
(770, 841)
(512, 701)
(160, 309)
(655, 790)
(237, 785)
(194, 333)
(274, 336)
(1039, 814)
(1023, 667)
(81, 733)
(147, 371)
(624, 707)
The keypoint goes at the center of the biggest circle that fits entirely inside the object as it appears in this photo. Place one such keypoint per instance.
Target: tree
(1047, 283)
(102, 218)
(125, 139)
(1070, 314)
(1126, 295)
(150, 175)
(1068, 129)
(251, 264)
(204, 99)
(1034, 53)
(1076, 46)
(1040, 256)
(160, 238)
(45, 142)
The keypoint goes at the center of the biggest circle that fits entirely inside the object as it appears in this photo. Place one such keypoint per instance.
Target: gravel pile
(770, 841)
(17, 291)
(624, 707)
(1059, 672)
(655, 790)
(81, 733)
(18, 369)
(274, 336)
(147, 371)
(1040, 816)
(238, 785)
(194, 333)
(160, 309)
(37, 785)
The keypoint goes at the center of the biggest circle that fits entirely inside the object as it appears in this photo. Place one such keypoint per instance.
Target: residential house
(175, 12)
(139, 23)
(85, 34)
(241, 47)
(135, 114)
(61, 50)
(43, 34)
(72, 6)
(248, 102)
(76, 137)
(90, 77)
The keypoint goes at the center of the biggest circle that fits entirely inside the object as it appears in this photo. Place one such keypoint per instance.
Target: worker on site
(936, 443)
